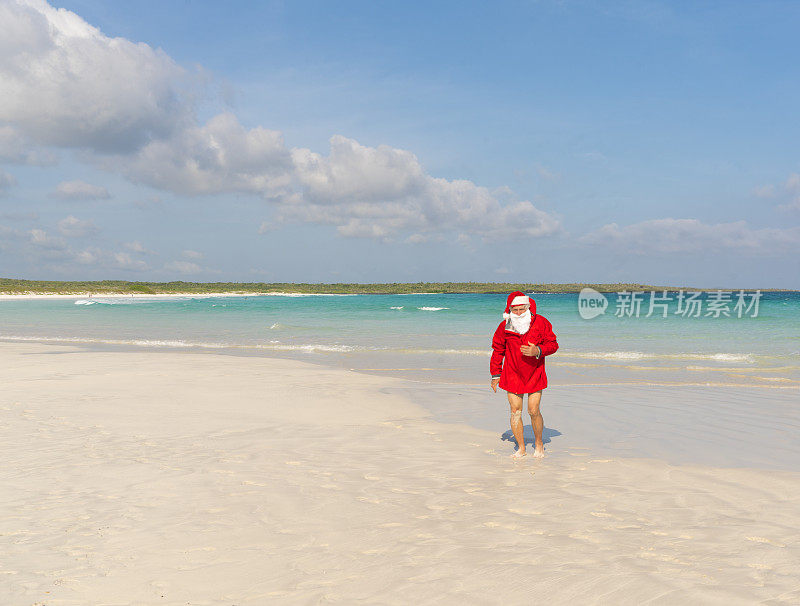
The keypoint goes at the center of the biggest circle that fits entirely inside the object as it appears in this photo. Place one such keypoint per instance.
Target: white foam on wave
(306, 294)
(722, 357)
(432, 308)
(458, 352)
(127, 300)
(397, 307)
(312, 348)
(177, 343)
(136, 342)
(640, 355)
(608, 355)
(275, 345)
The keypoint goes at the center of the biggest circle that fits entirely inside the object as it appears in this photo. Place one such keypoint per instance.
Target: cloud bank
(693, 236)
(80, 190)
(131, 109)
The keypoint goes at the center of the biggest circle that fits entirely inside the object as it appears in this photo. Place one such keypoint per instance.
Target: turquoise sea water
(445, 335)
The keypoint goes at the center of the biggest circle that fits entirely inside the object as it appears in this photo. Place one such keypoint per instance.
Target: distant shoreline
(12, 288)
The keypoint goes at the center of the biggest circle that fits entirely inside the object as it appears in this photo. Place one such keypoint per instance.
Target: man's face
(518, 310)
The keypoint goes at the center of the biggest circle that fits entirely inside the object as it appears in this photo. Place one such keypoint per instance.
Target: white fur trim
(506, 316)
(520, 300)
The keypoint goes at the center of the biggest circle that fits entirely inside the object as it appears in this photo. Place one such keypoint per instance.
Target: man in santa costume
(519, 346)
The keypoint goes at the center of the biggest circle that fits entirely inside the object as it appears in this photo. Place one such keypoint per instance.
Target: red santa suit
(519, 373)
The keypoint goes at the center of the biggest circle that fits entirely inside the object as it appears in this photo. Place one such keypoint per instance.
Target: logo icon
(591, 303)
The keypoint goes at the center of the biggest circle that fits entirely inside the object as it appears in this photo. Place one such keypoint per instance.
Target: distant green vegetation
(10, 286)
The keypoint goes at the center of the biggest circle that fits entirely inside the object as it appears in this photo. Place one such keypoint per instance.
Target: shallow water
(440, 337)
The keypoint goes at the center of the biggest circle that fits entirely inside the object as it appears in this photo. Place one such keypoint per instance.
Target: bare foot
(539, 453)
(518, 454)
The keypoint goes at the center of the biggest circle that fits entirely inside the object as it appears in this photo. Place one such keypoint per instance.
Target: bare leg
(515, 401)
(534, 400)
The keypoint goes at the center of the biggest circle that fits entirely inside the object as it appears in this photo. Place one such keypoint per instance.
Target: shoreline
(95, 295)
(565, 372)
(589, 414)
(33, 295)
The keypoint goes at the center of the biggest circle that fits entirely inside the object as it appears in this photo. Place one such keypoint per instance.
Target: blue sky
(652, 142)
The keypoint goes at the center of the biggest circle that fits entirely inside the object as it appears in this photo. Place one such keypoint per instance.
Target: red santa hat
(516, 298)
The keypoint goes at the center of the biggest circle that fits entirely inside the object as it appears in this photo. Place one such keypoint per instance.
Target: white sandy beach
(200, 478)
(57, 296)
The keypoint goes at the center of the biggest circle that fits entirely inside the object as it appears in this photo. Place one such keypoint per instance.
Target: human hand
(530, 349)
(494, 383)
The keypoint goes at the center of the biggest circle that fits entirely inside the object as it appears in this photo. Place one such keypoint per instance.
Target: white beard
(521, 323)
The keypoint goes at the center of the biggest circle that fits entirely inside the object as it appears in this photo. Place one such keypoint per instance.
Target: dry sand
(198, 478)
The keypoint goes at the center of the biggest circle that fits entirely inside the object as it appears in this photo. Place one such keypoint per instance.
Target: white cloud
(191, 254)
(67, 84)
(80, 190)
(106, 259)
(792, 190)
(546, 173)
(72, 227)
(151, 202)
(266, 227)
(89, 256)
(765, 191)
(221, 156)
(357, 173)
(417, 239)
(6, 181)
(137, 247)
(42, 248)
(16, 150)
(372, 192)
(39, 238)
(692, 236)
(124, 260)
(183, 267)
(20, 216)
(378, 192)
(788, 193)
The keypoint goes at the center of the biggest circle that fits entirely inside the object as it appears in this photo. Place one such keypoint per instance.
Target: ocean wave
(305, 294)
(432, 308)
(397, 307)
(607, 355)
(640, 355)
(136, 342)
(128, 300)
(312, 348)
(459, 352)
(630, 356)
(178, 343)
